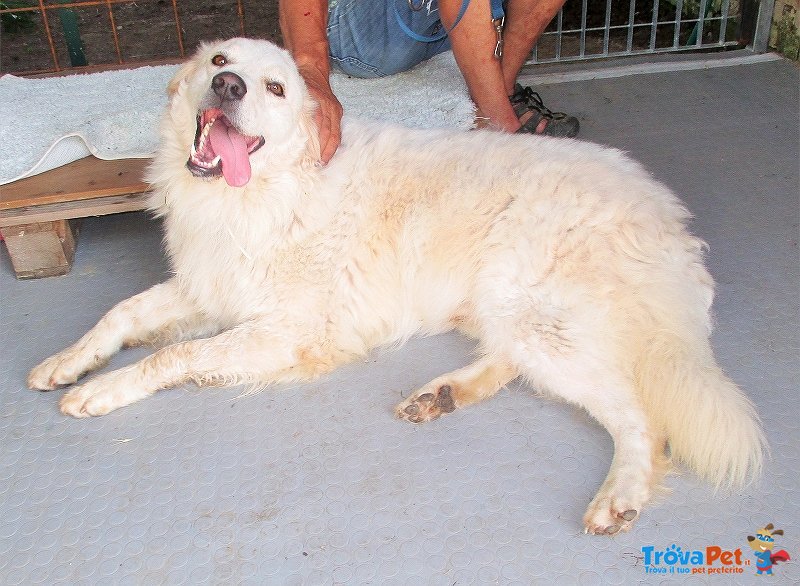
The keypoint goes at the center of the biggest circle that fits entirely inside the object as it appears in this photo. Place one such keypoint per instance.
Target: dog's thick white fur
(567, 262)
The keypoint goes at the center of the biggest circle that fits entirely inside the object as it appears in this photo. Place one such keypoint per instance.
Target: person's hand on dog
(328, 116)
(303, 25)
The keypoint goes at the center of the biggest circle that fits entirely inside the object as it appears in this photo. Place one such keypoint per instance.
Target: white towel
(48, 122)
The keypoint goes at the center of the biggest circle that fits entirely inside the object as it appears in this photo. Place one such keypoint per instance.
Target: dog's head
(764, 539)
(237, 107)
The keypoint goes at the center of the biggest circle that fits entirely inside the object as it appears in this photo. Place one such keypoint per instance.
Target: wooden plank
(102, 206)
(42, 249)
(86, 178)
(38, 215)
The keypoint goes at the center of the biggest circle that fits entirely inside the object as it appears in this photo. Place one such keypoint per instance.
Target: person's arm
(303, 24)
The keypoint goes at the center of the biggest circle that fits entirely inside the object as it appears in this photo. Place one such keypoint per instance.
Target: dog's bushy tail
(711, 426)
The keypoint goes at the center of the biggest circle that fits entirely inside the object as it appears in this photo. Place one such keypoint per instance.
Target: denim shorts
(366, 41)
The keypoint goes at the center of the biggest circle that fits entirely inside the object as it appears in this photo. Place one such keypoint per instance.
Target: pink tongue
(232, 148)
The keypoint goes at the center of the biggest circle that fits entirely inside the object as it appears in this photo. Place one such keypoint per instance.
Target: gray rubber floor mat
(319, 484)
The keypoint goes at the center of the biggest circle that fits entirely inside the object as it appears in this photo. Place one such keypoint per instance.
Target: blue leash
(498, 19)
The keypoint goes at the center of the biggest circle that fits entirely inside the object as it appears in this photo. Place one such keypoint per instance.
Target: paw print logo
(672, 555)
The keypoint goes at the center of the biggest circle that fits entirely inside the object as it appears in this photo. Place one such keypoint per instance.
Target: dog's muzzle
(219, 148)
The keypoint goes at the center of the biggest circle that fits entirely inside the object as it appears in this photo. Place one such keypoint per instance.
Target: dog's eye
(219, 60)
(276, 88)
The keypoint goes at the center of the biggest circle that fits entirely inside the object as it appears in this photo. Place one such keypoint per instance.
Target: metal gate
(591, 30)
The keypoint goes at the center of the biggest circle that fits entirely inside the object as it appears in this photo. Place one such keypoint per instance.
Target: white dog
(567, 262)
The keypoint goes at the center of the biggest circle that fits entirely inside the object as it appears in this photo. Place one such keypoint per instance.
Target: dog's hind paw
(426, 404)
(610, 522)
(608, 515)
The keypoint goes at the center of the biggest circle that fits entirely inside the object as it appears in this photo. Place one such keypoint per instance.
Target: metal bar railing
(631, 17)
(560, 29)
(691, 26)
(723, 24)
(584, 11)
(48, 33)
(760, 42)
(178, 27)
(678, 13)
(654, 26)
(114, 33)
(240, 14)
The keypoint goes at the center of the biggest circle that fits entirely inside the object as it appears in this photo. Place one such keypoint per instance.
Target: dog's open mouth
(220, 149)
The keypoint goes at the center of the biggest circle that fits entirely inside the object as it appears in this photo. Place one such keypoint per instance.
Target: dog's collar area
(219, 148)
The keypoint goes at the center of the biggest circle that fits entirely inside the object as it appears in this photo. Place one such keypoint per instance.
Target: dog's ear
(185, 72)
(778, 532)
(769, 527)
(188, 68)
(308, 127)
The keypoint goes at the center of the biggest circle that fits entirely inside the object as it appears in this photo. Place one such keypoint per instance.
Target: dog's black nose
(229, 86)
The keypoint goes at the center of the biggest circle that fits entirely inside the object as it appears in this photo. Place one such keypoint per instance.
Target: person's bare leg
(490, 80)
(473, 41)
(525, 23)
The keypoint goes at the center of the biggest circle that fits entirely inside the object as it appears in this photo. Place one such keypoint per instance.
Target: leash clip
(498, 29)
(416, 7)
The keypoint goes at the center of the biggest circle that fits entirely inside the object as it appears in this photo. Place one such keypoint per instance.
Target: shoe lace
(533, 100)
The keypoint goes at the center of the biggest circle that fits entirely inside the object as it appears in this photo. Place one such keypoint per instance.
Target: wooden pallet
(39, 216)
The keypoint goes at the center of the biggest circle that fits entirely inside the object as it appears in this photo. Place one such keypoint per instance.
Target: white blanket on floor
(45, 123)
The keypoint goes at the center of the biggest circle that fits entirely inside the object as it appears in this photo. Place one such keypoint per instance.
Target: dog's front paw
(64, 368)
(101, 395)
(427, 404)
